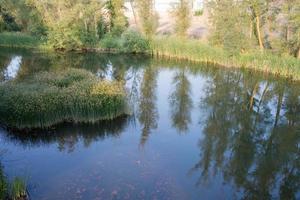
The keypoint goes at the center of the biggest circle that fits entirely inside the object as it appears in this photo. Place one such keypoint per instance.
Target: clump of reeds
(47, 98)
(18, 189)
(18, 39)
(196, 51)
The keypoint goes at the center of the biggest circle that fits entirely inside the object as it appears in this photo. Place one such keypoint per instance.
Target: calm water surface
(196, 132)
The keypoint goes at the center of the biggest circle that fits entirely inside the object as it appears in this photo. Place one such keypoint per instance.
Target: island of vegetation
(48, 98)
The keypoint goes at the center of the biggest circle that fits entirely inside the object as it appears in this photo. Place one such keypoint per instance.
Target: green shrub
(134, 42)
(48, 98)
(111, 42)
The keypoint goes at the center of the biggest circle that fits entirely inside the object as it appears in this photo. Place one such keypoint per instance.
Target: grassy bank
(47, 98)
(14, 190)
(17, 39)
(195, 51)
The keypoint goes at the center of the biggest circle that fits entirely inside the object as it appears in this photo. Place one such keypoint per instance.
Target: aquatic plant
(17, 39)
(18, 189)
(195, 51)
(47, 98)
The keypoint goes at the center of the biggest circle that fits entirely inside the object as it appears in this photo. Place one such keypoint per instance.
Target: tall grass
(18, 189)
(195, 51)
(18, 39)
(47, 98)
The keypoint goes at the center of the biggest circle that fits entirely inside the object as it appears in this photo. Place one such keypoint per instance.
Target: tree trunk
(261, 46)
(133, 12)
(96, 27)
(252, 96)
(279, 104)
(298, 56)
(251, 30)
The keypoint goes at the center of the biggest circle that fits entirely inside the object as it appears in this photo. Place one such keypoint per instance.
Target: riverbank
(195, 51)
(176, 48)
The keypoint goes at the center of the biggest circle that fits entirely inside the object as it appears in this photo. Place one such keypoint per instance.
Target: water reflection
(13, 67)
(250, 138)
(148, 114)
(181, 101)
(67, 135)
(248, 135)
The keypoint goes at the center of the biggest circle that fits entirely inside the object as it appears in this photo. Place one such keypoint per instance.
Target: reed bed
(48, 98)
(18, 39)
(195, 51)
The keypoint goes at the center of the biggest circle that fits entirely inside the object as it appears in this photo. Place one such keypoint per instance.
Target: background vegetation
(251, 33)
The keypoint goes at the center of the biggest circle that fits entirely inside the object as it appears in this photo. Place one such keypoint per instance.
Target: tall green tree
(115, 15)
(291, 9)
(147, 17)
(231, 25)
(181, 13)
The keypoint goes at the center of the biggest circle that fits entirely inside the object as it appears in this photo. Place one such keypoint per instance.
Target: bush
(48, 98)
(110, 42)
(134, 42)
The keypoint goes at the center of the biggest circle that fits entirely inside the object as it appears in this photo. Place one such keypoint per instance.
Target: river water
(196, 132)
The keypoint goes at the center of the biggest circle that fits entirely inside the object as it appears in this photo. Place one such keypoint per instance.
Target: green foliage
(117, 19)
(196, 51)
(20, 15)
(130, 42)
(147, 16)
(17, 39)
(230, 25)
(134, 42)
(18, 189)
(47, 98)
(198, 12)
(111, 42)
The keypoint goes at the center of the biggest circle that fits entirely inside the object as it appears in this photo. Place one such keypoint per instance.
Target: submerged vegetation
(47, 98)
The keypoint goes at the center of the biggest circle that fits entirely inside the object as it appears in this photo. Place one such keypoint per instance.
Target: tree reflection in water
(252, 145)
(67, 135)
(148, 114)
(181, 101)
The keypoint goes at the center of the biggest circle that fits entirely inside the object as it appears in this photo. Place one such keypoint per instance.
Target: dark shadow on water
(67, 135)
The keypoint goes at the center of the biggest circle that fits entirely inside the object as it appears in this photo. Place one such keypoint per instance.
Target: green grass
(18, 189)
(195, 51)
(18, 39)
(47, 98)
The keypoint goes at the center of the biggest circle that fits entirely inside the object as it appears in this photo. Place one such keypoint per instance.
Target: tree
(147, 16)
(115, 16)
(231, 25)
(71, 23)
(292, 10)
(181, 13)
